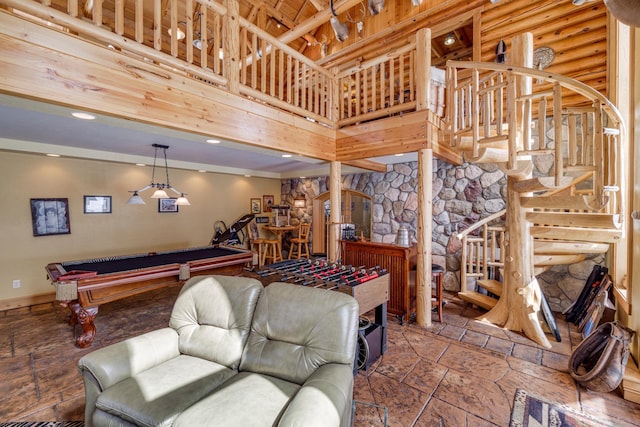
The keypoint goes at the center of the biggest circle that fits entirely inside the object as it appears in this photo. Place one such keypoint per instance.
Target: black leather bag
(599, 361)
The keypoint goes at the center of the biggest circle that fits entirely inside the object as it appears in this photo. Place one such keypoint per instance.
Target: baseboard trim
(26, 301)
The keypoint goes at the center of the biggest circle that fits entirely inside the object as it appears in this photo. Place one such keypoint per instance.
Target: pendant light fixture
(160, 187)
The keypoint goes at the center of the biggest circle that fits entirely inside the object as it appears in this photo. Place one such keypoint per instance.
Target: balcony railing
(187, 36)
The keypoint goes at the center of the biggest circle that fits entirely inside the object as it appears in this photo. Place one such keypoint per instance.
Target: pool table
(83, 285)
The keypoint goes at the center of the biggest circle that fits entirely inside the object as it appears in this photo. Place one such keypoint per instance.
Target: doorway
(359, 214)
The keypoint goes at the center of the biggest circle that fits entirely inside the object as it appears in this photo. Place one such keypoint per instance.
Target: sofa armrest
(324, 399)
(114, 363)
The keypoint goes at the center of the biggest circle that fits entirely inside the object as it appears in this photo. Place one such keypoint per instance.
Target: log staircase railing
(580, 199)
(187, 36)
(481, 249)
(489, 122)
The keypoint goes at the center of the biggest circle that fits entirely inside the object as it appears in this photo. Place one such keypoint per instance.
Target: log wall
(577, 34)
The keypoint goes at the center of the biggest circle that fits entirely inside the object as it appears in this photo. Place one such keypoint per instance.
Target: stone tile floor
(458, 373)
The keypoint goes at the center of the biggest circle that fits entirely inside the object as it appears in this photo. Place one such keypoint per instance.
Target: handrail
(575, 85)
(186, 36)
(479, 254)
(489, 97)
(480, 223)
(122, 43)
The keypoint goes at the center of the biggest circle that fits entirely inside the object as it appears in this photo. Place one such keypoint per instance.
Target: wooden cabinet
(397, 260)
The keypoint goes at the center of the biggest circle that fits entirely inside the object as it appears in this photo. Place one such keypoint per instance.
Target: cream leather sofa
(234, 354)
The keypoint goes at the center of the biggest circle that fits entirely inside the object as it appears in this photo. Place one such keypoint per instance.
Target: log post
(425, 185)
(423, 273)
(519, 306)
(335, 219)
(231, 45)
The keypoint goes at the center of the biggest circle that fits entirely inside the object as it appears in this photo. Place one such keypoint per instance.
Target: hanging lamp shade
(135, 199)
(160, 194)
(160, 187)
(626, 11)
(182, 201)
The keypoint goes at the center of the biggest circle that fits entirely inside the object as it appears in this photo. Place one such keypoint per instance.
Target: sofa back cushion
(212, 316)
(297, 329)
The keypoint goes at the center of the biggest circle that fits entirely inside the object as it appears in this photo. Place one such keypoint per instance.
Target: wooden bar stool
(271, 251)
(301, 243)
(437, 273)
(256, 244)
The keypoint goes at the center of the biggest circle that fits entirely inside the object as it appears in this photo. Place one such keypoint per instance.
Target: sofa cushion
(296, 329)
(156, 396)
(212, 316)
(247, 399)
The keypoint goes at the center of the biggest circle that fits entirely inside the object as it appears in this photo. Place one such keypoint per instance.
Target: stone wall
(462, 195)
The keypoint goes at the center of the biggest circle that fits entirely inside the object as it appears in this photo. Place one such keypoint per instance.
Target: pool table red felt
(102, 280)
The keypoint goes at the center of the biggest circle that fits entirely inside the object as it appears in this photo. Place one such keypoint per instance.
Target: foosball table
(369, 286)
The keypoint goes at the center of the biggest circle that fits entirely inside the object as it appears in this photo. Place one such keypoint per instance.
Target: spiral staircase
(515, 117)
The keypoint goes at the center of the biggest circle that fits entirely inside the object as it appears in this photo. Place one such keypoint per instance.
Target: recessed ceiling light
(247, 176)
(140, 164)
(213, 141)
(202, 171)
(449, 39)
(399, 154)
(53, 155)
(83, 116)
(287, 155)
(303, 177)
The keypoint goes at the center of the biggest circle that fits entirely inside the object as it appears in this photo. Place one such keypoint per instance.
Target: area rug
(530, 411)
(44, 424)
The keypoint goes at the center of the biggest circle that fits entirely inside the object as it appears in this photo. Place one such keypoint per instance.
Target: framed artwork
(167, 205)
(50, 216)
(267, 202)
(256, 207)
(97, 204)
(262, 220)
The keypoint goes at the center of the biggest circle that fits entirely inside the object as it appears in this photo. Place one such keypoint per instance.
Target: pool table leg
(85, 318)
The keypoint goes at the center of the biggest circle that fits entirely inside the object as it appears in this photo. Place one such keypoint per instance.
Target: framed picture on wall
(167, 205)
(50, 216)
(97, 204)
(255, 206)
(267, 202)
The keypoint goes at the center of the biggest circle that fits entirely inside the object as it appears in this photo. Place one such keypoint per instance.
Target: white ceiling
(36, 127)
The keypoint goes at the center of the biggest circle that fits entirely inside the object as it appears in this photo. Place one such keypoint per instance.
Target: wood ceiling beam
(448, 15)
(316, 20)
(319, 5)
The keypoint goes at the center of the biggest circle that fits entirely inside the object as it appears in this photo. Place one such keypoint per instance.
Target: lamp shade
(160, 194)
(182, 201)
(135, 199)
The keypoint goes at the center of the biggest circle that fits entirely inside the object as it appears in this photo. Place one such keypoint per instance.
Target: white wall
(129, 229)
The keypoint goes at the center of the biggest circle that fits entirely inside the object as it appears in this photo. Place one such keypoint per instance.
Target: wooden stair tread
(565, 247)
(576, 219)
(597, 235)
(584, 203)
(542, 183)
(476, 298)
(631, 382)
(493, 286)
(556, 259)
